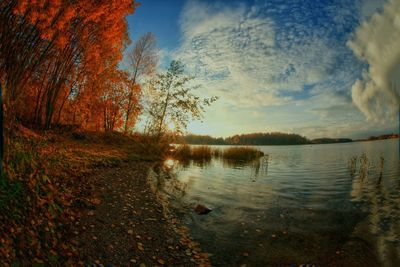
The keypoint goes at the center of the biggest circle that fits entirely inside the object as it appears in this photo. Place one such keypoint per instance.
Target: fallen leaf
(96, 201)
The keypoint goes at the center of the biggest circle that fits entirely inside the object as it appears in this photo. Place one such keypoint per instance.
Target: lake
(296, 205)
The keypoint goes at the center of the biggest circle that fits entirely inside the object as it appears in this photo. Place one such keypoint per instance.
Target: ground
(84, 198)
(128, 226)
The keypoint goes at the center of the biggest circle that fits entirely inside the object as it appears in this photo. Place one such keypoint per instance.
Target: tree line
(255, 139)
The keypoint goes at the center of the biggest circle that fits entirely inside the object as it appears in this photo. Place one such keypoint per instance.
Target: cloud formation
(242, 54)
(377, 42)
(280, 65)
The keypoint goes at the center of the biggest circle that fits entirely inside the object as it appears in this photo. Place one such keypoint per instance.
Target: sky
(319, 68)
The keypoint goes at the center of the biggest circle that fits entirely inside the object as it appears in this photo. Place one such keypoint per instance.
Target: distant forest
(275, 138)
(246, 139)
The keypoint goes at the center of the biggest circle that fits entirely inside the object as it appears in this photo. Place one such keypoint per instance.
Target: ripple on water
(303, 202)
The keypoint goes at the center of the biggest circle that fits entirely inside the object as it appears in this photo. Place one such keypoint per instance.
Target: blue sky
(317, 68)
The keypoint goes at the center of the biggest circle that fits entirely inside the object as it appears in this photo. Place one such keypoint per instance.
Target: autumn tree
(142, 60)
(173, 100)
(52, 51)
(115, 85)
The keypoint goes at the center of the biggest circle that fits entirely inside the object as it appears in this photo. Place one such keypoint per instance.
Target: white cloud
(235, 51)
(377, 42)
(283, 67)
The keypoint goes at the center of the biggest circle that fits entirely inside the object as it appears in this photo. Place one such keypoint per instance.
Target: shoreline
(99, 207)
(128, 228)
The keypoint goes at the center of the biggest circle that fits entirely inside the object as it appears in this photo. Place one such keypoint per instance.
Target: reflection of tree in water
(382, 202)
(170, 188)
(166, 182)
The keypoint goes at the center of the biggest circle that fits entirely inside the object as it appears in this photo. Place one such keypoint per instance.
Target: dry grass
(186, 152)
(241, 153)
(217, 152)
(201, 152)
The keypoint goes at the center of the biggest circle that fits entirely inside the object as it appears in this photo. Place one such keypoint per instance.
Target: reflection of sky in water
(301, 200)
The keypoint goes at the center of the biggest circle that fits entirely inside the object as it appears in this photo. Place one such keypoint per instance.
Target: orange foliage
(67, 72)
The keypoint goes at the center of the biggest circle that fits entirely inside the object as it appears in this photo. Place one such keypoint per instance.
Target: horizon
(308, 68)
(328, 137)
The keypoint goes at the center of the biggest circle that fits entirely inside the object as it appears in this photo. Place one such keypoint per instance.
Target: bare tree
(142, 60)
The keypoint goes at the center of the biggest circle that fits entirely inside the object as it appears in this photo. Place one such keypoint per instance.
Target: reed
(182, 152)
(381, 166)
(201, 152)
(217, 152)
(186, 152)
(364, 166)
(241, 153)
(353, 165)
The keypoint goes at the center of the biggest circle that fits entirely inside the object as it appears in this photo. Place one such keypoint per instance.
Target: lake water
(298, 204)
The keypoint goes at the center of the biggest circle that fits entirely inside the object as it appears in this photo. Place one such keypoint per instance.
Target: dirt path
(127, 226)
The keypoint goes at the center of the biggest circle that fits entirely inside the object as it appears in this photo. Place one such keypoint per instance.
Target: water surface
(298, 204)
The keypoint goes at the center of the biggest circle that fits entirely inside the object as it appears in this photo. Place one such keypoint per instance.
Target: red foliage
(69, 61)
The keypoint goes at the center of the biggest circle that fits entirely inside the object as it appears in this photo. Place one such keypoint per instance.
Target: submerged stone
(202, 210)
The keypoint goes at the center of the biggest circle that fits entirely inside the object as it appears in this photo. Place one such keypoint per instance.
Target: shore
(112, 216)
(128, 226)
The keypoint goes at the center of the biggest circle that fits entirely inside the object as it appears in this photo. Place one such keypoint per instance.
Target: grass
(201, 153)
(365, 167)
(182, 152)
(217, 152)
(186, 152)
(241, 153)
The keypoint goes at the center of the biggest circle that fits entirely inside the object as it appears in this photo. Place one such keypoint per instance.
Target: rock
(202, 210)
